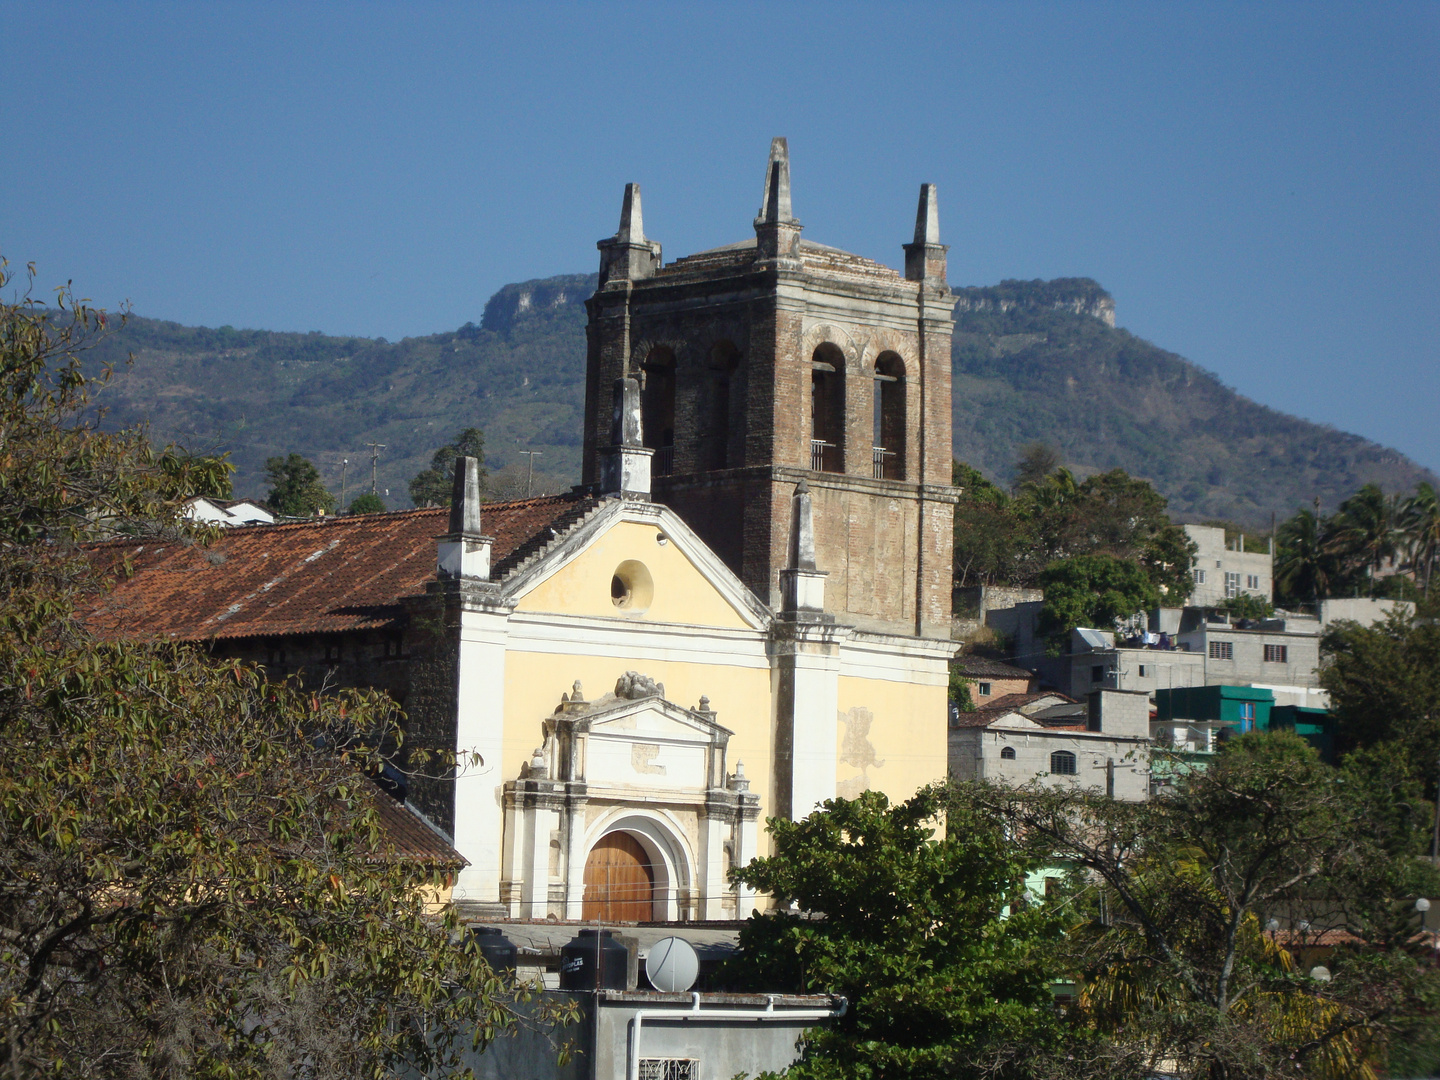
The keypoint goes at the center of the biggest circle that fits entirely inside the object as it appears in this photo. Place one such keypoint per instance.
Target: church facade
(740, 612)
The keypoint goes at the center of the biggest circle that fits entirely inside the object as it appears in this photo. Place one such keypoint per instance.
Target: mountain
(1033, 361)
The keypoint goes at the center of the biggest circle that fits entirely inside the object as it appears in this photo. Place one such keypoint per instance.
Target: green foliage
(1170, 901)
(915, 935)
(959, 693)
(1095, 591)
(1384, 684)
(295, 487)
(1003, 539)
(1248, 606)
(194, 879)
(435, 486)
(368, 503)
(1036, 462)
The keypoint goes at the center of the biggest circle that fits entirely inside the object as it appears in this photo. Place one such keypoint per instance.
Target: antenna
(375, 448)
(530, 472)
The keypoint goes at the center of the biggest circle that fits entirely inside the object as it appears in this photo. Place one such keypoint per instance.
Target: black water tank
(498, 950)
(581, 955)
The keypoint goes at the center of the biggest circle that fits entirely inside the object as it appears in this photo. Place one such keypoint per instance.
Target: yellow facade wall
(681, 594)
(890, 737)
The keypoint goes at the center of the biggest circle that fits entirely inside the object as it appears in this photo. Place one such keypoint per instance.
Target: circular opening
(631, 588)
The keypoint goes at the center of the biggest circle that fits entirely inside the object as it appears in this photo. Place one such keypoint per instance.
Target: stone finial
(802, 586)
(628, 255)
(802, 530)
(775, 205)
(576, 692)
(625, 464)
(925, 258)
(464, 552)
(704, 705)
(538, 769)
(465, 498)
(632, 222)
(738, 780)
(927, 217)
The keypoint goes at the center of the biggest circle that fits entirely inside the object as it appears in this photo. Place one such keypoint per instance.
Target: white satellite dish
(672, 965)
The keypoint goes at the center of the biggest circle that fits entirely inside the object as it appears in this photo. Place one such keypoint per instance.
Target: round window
(631, 588)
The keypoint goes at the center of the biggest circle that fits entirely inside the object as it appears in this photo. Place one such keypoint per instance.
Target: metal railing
(879, 469)
(824, 456)
(663, 462)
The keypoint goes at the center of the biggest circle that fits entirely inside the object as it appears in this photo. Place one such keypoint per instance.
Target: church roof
(815, 257)
(327, 576)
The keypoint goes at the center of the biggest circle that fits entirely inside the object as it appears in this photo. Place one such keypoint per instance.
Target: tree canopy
(194, 881)
(295, 487)
(433, 486)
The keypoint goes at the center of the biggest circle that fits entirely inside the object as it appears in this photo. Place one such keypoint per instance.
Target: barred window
(1277, 654)
(1062, 763)
(1222, 650)
(1008, 753)
(669, 1069)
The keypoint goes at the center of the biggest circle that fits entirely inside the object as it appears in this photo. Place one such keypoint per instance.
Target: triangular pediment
(1016, 721)
(681, 582)
(652, 717)
(650, 744)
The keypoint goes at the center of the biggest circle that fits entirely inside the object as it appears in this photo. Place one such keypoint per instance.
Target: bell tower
(778, 360)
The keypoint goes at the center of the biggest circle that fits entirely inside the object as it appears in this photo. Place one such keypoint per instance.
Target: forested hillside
(1033, 361)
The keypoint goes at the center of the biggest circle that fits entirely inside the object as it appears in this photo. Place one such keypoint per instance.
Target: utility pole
(344, 464)
(530, 471)
(375, 448)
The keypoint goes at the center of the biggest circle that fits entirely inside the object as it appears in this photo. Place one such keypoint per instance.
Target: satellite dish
(672, 965)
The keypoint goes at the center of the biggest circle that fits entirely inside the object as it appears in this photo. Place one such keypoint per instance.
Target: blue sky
(1257, 185)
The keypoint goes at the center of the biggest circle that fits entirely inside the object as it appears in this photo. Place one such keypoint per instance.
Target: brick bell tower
(777, 360)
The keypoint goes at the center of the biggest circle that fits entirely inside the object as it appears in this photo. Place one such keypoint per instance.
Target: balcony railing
(882, 463)
(824, 456)
(663, 463)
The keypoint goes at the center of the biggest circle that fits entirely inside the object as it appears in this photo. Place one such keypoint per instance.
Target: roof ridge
(535, 549)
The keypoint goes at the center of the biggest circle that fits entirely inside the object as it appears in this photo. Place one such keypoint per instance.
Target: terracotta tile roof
(329, 576)
(410, 835)
(983, 667)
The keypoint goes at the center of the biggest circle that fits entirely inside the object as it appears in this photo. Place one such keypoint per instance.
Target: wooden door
(619, 883)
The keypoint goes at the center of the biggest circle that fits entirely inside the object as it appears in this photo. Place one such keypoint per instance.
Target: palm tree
(1420, 526)
(1364, 531)
(1304, 562)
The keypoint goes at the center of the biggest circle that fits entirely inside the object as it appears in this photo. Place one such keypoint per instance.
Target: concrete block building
(1223, 572)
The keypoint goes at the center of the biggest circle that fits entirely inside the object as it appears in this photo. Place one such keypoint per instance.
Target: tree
(1092, 590)
(992, 542)
(1037, 461)
(295, 487)
(193, 881)
(1173, 898)
(368, 503)
(943, 964)
(1384, 685)
(1420, 527)
(433, 486)
(1307, 567)
(1364, 533)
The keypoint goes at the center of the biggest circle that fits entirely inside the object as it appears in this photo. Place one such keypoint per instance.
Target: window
(1097, 673)
(1007, 754)
(1062, 763)
(984, 689)
(1142, 671)
(888, 447)
(1247, 716)
(827, 409)
(1199, 577)
(1232, 584)
(1252, 581)
(657, 408)
(1222, 650)
(669, 1069)
(721, 410)
(1277, 654)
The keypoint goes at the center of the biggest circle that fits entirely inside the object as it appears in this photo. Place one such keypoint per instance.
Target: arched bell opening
(827, 409)
(657, 408)
(888, 450)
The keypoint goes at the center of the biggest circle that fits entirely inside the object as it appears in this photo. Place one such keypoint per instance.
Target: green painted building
(1238, 709)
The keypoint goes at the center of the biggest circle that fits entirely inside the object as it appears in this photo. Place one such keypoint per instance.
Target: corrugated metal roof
(327, 576)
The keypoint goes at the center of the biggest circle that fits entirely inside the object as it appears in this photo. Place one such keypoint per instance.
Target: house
(1101, 659)
(1100, 743)
(1223, 571)
(228, 512)
(741, 612)
(992, 679)
(1196, 720)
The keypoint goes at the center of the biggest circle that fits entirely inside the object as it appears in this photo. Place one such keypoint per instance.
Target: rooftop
(326, 576)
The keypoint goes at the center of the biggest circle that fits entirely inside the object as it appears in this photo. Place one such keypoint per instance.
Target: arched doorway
(619, 881)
